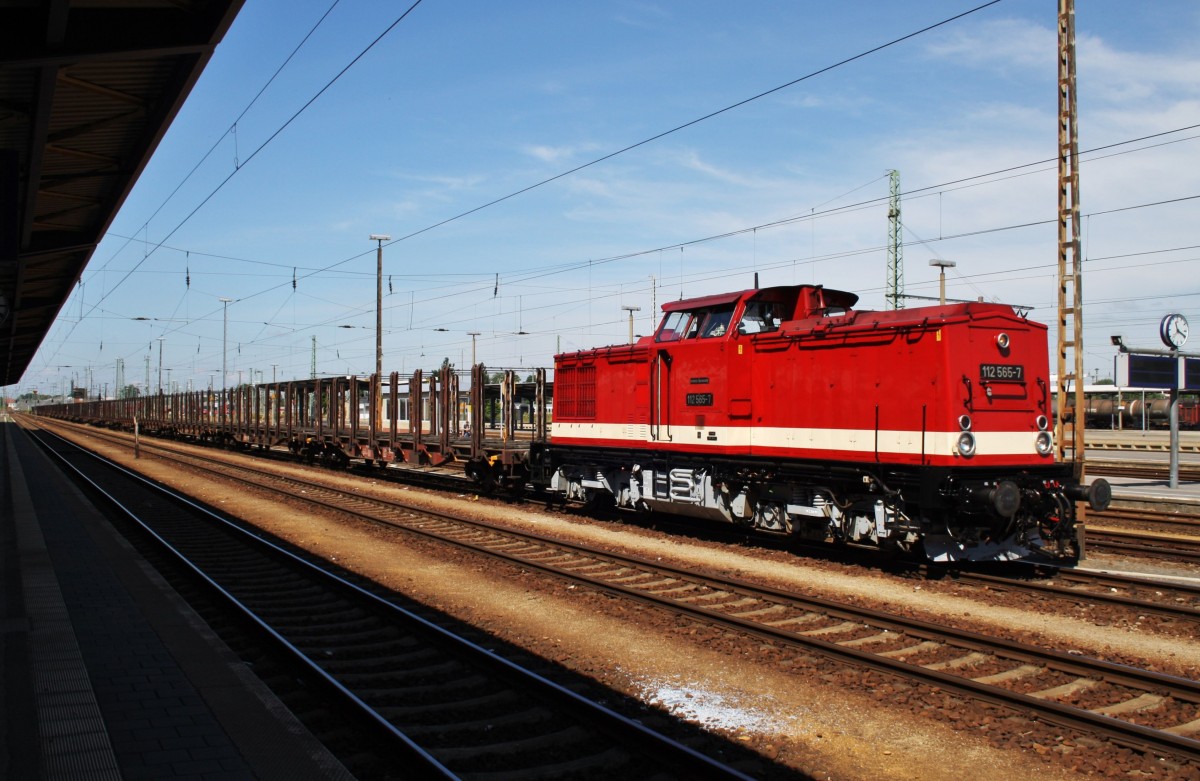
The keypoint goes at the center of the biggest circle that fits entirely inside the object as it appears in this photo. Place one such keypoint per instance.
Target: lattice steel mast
(1070, 264)
(895, 250)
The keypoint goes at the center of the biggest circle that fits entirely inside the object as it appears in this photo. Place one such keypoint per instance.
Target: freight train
(784, 410)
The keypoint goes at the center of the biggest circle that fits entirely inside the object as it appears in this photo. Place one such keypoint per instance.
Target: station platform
(105, 672)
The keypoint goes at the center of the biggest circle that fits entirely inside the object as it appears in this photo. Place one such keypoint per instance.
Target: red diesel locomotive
(786, 410)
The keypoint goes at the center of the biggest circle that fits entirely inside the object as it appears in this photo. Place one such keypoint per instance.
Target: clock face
(1174, 330)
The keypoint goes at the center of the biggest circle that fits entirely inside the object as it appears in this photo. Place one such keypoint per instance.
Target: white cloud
(1108, 75)
(1003, 44)
(642, 16)
(549, 154)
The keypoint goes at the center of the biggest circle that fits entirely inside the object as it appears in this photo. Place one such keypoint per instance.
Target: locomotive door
(689, 374)
(660, 395)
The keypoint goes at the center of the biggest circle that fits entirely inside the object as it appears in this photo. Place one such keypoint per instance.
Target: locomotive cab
(749, 312)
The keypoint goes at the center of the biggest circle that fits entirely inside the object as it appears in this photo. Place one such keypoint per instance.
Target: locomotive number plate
(699, 399)
(1000, 372)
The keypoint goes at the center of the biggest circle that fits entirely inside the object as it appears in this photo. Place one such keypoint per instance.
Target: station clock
(1174, 330)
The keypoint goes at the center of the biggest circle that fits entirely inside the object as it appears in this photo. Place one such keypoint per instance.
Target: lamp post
(380, 238)
(160, 341)
(472, 334)
(942, 265)
(631, 310)
(224, 341)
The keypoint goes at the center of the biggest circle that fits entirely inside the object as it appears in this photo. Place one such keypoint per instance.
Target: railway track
(1173, 598)
(1142, 532)
(1169, 599)
(1176, 600)
(1156, 470)
(441, 705)
(1144, 710)
(1137, 441)
(1182, 522)
(1135, 543)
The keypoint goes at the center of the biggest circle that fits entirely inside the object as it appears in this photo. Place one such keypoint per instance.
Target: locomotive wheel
(600, 501)
(771, 518)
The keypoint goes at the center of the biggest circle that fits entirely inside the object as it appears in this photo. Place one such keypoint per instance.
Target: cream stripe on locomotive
(761, 439)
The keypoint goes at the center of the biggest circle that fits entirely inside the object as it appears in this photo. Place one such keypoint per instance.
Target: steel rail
(1149, 471)
(1126, 733)
(1175, 611)
(436, 479)
(1117, 580)
(428, 762)
(1127, 514)
(682, 756)
(1185, 548)
(1084, 577)
(1120, 731)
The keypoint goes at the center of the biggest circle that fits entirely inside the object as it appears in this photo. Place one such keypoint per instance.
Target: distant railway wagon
(784, 410)
(424, 420)
(1132, 411)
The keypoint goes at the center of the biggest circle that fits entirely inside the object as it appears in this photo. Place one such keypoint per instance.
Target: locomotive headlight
(1042, 423)
(966, 444)
(1002, 341)
(964, 422)
(1044, 443)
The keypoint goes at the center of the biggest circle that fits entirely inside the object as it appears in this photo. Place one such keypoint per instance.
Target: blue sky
(463, 103)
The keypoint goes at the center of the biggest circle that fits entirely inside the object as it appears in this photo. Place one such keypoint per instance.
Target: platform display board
(1158, 371)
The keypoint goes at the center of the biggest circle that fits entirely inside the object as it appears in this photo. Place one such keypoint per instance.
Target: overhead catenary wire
(232, 129)
(974, 180)
(457, 290)
(560, 175)
(264, 144)
(753, 228)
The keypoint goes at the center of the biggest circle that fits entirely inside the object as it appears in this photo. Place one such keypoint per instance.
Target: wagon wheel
(480, 472)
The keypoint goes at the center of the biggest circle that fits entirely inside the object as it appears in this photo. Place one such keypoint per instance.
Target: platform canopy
(88, 88)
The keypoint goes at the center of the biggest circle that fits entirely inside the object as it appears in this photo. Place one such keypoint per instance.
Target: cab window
(676, 326)
(700, 323)
(716, 321)
(759, 317)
